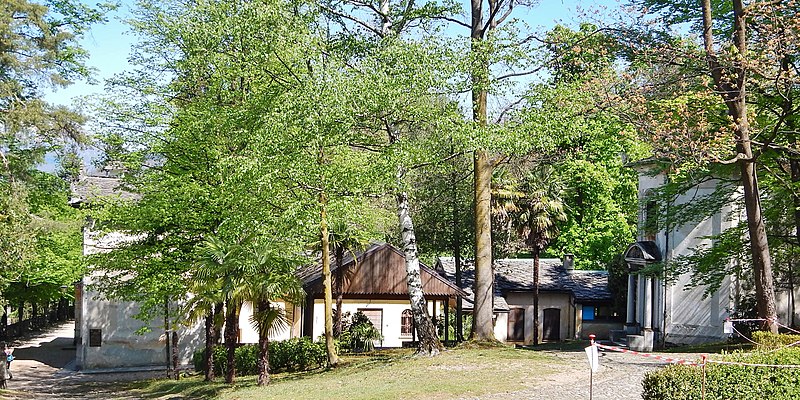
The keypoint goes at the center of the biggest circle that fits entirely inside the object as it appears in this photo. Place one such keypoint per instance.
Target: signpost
(594, 361)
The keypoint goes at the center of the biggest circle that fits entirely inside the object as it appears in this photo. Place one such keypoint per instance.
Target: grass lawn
(383, 375)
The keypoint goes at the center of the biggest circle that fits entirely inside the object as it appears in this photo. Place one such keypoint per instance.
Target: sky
(109, 45)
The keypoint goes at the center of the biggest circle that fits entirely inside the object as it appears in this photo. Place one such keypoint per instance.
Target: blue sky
(109, 45)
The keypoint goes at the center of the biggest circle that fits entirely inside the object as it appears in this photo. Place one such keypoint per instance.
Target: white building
(660, 311)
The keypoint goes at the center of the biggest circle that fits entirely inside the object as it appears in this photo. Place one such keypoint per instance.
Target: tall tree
(734, 67)
(39, 51)
(391, 22)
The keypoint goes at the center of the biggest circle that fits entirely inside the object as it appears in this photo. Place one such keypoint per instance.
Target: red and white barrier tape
(649, 355)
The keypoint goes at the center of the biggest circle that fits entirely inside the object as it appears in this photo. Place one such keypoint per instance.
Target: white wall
(248, 332)
(391, 321)
(682, 311)
(121, 346)
(546, 300)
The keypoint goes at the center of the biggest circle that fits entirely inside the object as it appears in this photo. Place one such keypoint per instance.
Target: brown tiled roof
(380, 270)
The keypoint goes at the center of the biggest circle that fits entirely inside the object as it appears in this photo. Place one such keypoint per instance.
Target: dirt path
(43, 370)
(618, 378)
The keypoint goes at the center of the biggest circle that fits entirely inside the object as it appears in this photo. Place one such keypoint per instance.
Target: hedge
(296, 354)
(724, 382)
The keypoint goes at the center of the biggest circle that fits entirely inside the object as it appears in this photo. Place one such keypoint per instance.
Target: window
(651, 212)
(406, 323)
(588, 313)
(95, 337)
(375, 316)
(516, 324)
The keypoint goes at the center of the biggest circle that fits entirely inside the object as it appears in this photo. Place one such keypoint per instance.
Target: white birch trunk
(428, 340)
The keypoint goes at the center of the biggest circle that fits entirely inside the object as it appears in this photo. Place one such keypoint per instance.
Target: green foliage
(729, 381)
(296, 354)
(768, 340)
(40, 50)
(358, 333)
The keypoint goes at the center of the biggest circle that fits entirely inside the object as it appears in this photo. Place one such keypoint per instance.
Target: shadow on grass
(194, 387)
(187, 388)
(568, 346)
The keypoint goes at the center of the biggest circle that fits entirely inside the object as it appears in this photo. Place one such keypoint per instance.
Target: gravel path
(619, 377)
(42, 370)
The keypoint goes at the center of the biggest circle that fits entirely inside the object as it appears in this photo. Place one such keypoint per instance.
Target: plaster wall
(248, 332)
(120, 345)
(559, 301)
(390, 322)
(685, 313)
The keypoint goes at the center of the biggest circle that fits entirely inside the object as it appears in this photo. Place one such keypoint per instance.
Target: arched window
(406, 323)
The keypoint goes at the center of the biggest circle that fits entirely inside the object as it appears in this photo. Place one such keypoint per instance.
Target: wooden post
(446, 321)
(703, 367)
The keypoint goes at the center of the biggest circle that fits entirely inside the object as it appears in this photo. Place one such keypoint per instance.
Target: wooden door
(552, 324)
(516, 324)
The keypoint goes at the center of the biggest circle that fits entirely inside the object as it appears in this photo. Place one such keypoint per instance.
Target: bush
(296, 354)
(358, 333)
(729, 381)
(769, 340)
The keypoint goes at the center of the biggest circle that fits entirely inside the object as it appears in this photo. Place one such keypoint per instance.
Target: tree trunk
(733, 92)
(330, 347)
(231, 338)
(482, 327)
(219, 308)
(457, 254)
(263, 346)
(428, 341)
(339, 289)
(3, 371)
(175, 358)
(535, 295)
(209, 355)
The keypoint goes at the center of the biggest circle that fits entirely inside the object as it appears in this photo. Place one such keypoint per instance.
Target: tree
(384, 35)
(533, 208)
(39, 50)
(271, 279)
(344, 237)
(732, 69)
(538, 221)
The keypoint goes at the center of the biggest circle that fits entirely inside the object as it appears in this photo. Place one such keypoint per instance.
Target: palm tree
(537, 224)
(206, 303)
(534, 209)
(343, 237)
(272, 279)
(226, 262)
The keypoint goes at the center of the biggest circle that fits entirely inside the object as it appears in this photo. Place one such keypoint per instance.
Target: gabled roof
(516, 275)
(90, 188)
(378, 270)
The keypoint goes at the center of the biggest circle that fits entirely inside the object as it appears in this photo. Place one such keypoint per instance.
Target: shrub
(296, 354)
(729, 381)
(769, 340)
(359, 334)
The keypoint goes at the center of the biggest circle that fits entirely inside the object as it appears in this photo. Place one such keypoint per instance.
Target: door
(375, 316)
(516, 324)
(552, 324)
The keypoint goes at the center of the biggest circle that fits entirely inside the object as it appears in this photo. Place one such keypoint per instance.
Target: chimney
(569, 262)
